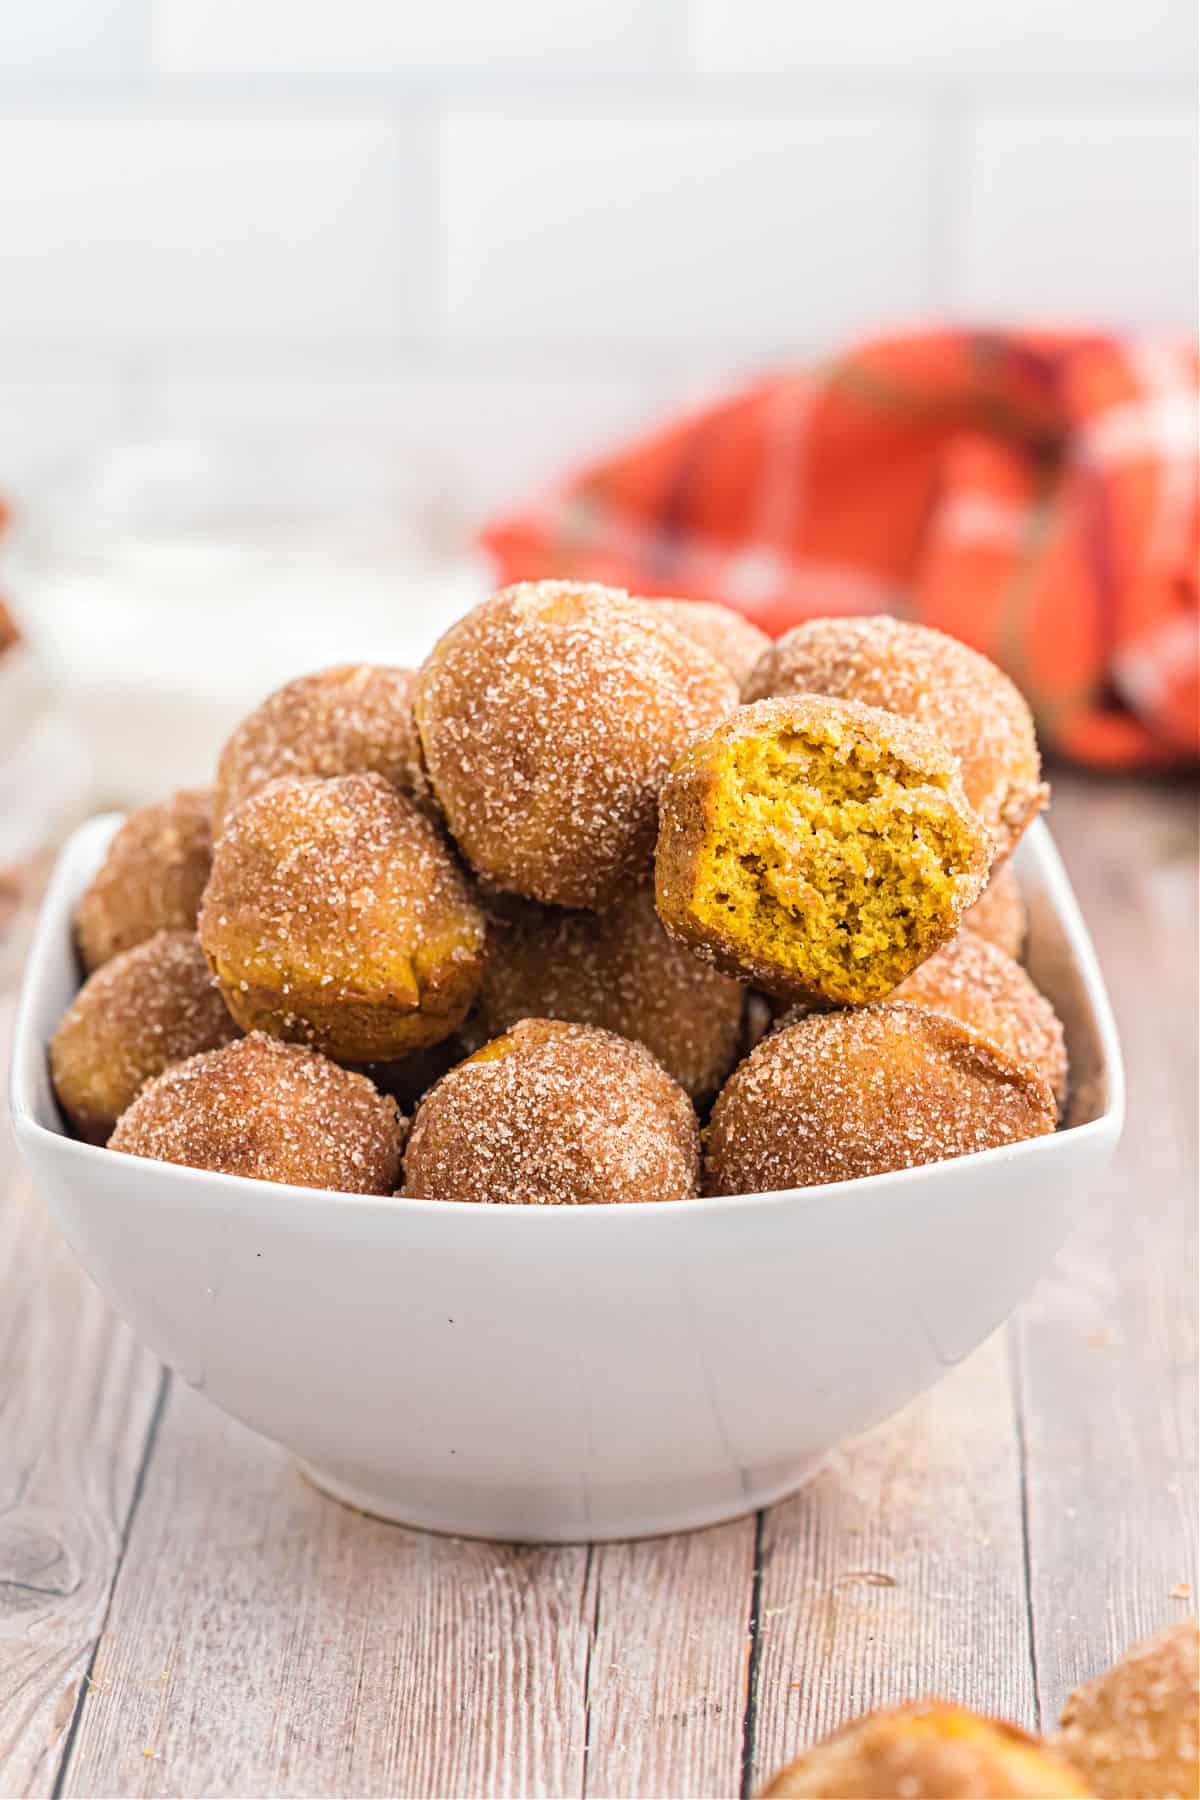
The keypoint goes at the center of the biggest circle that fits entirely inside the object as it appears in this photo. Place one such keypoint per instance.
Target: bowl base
(613, 1525)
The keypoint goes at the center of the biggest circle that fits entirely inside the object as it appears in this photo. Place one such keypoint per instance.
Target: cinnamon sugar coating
(1133, 1733)
(270, 1111)
(927, 1750)
(729, 637)
(549, 716)
(337, 916)
(1000, 914)
(981, 987)
(150, 880)
(350, 720)
(842, 1095)
(618, 970)
(924, 675)
(137, 1014)
(972, 981)
(553, 1114)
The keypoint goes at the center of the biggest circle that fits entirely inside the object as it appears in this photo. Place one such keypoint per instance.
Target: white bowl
(566, 1373)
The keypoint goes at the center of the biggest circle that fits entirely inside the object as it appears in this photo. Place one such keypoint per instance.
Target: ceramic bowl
(571, 1373)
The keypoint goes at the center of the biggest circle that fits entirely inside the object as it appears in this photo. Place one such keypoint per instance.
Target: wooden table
(181, 1614)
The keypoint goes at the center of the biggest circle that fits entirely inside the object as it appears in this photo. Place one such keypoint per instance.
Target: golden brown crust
(272, 1112)
(925, 675)
(140, 1012)
(983, 988)
(691, 821)
(151, 879)
(548, 718)
(974, 982)
(927, 1750)
(553, 1114)
(842, 1095)
(354, 719)
(736, 644)
(618, 970)
(1132, 1732)
(1000, 914)
(337, 916)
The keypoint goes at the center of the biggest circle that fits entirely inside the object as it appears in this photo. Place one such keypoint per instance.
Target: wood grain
(1106, 1349)
(899, 1572)
(668, 1670)
(76, 1403)
(265, 1640)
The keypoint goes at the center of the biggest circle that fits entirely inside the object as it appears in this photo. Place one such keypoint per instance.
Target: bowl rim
(78, 859)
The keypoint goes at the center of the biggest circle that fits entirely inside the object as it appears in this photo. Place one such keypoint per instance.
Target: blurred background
(294, 294)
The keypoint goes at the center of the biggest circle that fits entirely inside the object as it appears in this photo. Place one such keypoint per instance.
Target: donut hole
(337, 916)
(832, 860)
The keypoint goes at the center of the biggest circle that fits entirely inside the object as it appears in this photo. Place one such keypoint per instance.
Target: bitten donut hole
(834, 860)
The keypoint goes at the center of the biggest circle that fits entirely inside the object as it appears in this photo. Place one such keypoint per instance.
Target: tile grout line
(152, 1430)
(675, 81)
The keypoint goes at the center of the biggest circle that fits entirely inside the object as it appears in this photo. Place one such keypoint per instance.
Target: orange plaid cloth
(9, 634)
(1032, 494)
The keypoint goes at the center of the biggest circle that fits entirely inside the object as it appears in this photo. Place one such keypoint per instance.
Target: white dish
(567, 1373)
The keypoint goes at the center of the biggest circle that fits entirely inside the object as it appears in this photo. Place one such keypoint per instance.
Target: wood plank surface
(265, 1640)
(77, 1399)
(898, 1572)
(1106, 1348)
(260, 1639)
(669, 1664)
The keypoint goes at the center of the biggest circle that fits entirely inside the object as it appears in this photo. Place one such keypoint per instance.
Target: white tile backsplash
(706, 226)
(499, 236)
(948, 38)
(1085, 215)
(481, 434)
(392, 37)
(72, 40)
(162, 227)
